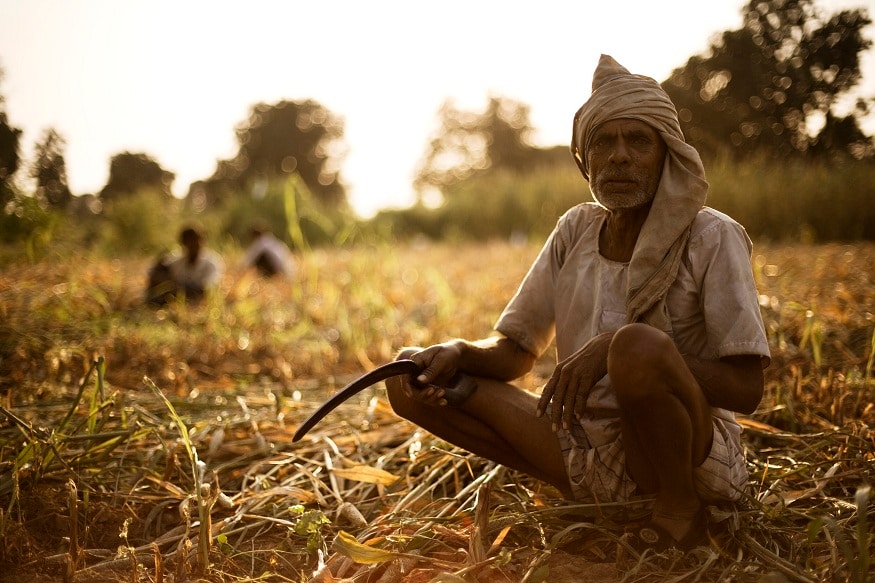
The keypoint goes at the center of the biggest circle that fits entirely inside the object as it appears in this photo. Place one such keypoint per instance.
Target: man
(267, 254)
(193, 271)
(651, 300)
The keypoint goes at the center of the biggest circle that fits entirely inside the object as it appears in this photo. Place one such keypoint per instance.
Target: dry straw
(188, 476)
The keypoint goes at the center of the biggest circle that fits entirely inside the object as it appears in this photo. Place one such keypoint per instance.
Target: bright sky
(173, 78)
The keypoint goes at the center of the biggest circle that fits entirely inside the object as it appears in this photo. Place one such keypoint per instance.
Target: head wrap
(618, 94)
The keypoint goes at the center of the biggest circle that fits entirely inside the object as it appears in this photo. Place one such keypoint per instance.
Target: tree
(278, 140)
(9, 154)
(772, 87)
(131, 172)
(50, 170)
(468, 143)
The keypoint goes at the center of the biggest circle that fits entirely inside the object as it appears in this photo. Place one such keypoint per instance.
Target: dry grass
(190, 473)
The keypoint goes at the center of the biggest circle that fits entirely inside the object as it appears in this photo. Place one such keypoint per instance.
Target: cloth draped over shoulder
(616, 94)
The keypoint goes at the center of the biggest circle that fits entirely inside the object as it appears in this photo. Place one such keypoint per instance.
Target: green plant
(310, 524)
(205, 495)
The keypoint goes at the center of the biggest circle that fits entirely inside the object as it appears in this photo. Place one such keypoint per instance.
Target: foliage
(291, 210)
(278, 140)
(501, 204)
(49, 170)
(793, 201)
(88, 452)
(468, 144)
(9, 154)
(142, 222)
(797, 200)
(130, 173)
(29, 225)
(773, 88)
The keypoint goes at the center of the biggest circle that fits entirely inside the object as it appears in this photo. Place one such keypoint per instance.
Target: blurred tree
(129, 173)
(469, 143)
(772, 87)
(50, 170)
(9, 157)
(279, 140)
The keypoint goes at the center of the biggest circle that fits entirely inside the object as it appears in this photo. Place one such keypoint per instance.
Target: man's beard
(639, 197)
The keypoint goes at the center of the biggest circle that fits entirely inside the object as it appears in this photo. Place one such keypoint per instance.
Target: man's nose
(619, 153)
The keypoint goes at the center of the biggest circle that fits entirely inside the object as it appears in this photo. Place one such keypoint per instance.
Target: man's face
(625, 158)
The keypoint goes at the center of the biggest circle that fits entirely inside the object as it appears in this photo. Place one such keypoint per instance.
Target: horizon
(174, 81)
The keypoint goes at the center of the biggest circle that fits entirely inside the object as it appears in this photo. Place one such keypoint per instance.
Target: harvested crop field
(155, 445)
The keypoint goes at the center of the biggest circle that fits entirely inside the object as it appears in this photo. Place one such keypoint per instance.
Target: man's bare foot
(678, 524)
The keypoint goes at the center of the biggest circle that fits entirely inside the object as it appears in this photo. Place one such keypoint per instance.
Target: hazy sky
(174, 78)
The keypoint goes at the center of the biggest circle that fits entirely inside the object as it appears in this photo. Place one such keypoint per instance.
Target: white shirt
(573, 293)
(204, 273)
(274, 250)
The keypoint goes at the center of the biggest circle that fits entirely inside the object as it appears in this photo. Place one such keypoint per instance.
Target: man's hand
(573, 379)
(496, 357)
(438, 363)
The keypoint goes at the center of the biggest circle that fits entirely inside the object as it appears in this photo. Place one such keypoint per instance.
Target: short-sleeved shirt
(573, 293)
(270, 249)
(204, 273)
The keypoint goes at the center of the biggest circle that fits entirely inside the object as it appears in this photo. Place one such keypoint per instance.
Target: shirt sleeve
(530, 318)
(729, 300)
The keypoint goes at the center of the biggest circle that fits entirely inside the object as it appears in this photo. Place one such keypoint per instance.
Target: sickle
(381, 373)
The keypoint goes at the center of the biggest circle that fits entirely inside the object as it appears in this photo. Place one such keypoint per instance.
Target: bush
(28, 220)
(791, 202)
(501, 204)
(290, 210)
(143, 223)
(797, 200)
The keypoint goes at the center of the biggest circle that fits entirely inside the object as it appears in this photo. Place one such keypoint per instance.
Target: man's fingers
(426, 375)
(569, 401)
(435, 366)
(561, 393)
(580, 403)
(425, 360)
(558, 401)
(546, 395)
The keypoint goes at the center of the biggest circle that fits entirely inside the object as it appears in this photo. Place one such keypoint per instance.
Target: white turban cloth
(618, 94)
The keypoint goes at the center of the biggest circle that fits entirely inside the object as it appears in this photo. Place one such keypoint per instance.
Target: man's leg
(667, 427)
(497, 422)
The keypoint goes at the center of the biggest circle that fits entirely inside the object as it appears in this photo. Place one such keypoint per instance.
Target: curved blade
(381, 373)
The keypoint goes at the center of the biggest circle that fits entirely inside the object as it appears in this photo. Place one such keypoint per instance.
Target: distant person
(191, 272)
(270, 256)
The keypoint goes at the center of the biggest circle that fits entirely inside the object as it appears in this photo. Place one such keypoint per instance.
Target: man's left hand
(573, 379)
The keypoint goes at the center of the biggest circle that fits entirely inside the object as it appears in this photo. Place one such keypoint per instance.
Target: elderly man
(651, 301)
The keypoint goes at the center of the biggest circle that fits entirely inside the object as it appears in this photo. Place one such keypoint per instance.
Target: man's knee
(639, 356)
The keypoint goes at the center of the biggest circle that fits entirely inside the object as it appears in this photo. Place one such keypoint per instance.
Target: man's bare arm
(734, 382)
(496, 357)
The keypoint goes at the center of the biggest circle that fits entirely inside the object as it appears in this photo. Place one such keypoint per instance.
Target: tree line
(768, 92)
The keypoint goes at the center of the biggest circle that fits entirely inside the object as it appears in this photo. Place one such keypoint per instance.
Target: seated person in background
(191, 272)
(267, 254)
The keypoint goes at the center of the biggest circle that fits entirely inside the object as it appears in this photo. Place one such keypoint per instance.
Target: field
(155, 445)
